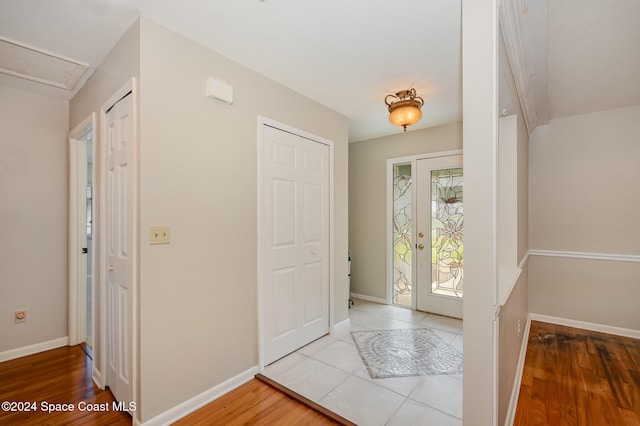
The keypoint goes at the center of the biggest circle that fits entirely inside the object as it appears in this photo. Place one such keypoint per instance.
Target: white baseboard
(367, 298)
(96, 375)
(198, 401)
(341, 326)
(601, 328)
(515, 391)
(33, 349)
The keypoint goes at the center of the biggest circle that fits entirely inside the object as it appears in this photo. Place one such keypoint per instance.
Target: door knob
(421, 234)
(420, 246)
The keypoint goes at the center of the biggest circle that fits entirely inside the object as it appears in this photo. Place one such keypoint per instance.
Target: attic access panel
(36, 65)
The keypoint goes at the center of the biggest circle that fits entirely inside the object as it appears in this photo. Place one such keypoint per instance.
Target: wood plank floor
(58, 376)
(570, 377)
(63, 376)
(578, 377)
(255, 403)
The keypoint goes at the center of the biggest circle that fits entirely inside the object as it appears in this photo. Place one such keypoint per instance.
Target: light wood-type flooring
(577, 377)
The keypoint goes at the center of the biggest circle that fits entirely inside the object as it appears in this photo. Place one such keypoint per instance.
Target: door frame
(100, 367)
(413, 160)
(77, 319)
(264, 121)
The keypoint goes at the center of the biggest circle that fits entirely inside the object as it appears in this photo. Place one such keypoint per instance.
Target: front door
(295, 241)
(120, 246)
(439, 239)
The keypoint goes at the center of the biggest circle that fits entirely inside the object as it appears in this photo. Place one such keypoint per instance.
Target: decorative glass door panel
(447, 224)
(402, 235)
(439, 242)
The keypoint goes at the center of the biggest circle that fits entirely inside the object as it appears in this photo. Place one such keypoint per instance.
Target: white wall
(585, 197)
(33, 218)
(368, 198)
(198, 165)
(479, 111)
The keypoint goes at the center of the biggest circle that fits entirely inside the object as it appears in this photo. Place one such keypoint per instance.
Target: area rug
(407, 352)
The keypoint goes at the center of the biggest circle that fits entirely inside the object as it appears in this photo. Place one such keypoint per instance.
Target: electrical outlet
(159, 234)
(21, 316)
(519, 328)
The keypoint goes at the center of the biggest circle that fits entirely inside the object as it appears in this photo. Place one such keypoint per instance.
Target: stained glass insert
(402, 224)
(447, 224)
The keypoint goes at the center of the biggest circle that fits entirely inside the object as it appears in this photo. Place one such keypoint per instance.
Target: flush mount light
(404, 108)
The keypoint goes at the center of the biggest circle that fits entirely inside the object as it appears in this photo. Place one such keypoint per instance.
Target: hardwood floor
(58, 376)
(255, 403)
(578, 377)
(63, 376)
(570, 377)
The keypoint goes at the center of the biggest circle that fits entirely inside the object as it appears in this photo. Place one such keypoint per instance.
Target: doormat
(407, 352)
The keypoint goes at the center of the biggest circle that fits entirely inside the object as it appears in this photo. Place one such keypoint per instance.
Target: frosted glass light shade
(405, 115)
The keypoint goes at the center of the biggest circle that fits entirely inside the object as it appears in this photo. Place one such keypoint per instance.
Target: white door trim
(77, 321)
(413, 159)
(264, 121)
(100, 367)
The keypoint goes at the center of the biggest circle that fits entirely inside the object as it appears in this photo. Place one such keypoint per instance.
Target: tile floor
(330, 372)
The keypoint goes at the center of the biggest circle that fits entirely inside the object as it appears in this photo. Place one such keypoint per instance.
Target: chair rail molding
(587, 255)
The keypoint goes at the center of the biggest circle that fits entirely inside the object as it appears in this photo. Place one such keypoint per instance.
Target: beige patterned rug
(407, 352)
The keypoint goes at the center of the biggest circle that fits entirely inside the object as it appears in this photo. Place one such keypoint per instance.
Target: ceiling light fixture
(404, 108)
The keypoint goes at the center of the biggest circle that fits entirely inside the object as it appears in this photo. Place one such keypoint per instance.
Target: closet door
(120, 247)
(295, 244)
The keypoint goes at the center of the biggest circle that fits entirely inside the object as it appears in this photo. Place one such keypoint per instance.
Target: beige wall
(585, 197)
(198, 164)
(513, 314)
(197, 168)
(595, 291)
(120, 65)
(368, 199)
(33, 217)
(584, 183)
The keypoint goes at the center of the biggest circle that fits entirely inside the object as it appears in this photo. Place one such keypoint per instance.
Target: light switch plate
(159, 234)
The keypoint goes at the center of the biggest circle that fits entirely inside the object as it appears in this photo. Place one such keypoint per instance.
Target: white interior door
(439, 239)
(83, 242)
(79, 245)
(295, 243)
(119, 248)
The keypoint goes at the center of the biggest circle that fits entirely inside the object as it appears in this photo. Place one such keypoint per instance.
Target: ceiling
(348, 55)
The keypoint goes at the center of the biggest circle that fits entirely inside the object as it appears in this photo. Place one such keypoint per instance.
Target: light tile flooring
(330, 372)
